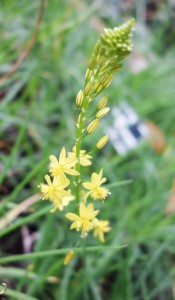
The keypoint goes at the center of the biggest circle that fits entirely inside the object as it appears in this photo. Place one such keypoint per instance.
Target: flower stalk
(112, 47)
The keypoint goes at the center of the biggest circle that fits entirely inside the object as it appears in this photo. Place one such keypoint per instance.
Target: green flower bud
(79, 98)
(98, 87)
(88, 89)
(92, 126)
(106, 80)
(102, 142)
(102, 112)
(92, 63)
(88, 75)
(102, 103)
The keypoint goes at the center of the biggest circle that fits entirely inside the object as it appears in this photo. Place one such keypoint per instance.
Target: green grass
(37, 119)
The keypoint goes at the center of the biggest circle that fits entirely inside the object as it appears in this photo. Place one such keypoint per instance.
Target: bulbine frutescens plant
(113, 46)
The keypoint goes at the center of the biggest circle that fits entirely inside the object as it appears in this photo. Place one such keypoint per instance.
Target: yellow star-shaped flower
(100, 227)
(84, 220)
(55, 192)
(84, 158)
(63, 165)
(94, 186)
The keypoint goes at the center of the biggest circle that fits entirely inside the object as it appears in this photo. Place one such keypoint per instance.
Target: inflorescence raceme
(66, 171)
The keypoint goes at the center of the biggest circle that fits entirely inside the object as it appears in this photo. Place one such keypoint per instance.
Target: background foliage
(36, 119)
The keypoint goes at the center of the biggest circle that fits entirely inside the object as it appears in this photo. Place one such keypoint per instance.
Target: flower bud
(79, 98)
(88, 89)
(102, 142)
(102, 61)
(106, 81)
(98, 87)
(97, 48)
(92, 63)
(68, 257)
(106, 66)
(115, 68)
(102, 103)
(88, 75)
(92, 126)
(101, 113)
(78, 119)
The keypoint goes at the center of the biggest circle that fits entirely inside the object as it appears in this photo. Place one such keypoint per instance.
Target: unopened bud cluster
(114, 45)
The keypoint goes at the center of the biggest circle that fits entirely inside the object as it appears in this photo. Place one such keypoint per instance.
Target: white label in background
(125, 129)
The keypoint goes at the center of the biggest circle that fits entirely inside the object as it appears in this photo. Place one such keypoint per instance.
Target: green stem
(79, 136)
(56, 252)
(78, 145)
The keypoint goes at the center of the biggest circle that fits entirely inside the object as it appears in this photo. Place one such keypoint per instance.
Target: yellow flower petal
(94, 214)
(84, 158)
(86, 196)
(72, 172)
(72, 217)
(87, 185)
(82, 210)
(62, 156)
(53, 159)
(96, 178)
(70, 162)
(85, 162)
(48, 180)
(76, 225)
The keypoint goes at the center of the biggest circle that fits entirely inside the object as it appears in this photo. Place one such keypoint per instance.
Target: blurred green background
(37, 106)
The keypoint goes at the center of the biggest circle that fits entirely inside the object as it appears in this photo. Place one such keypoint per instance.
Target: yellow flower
(100, 227)
(65, 164)
(60, 205)
(84, 220)
(55, 192)
(95, 190)
(84, 158)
